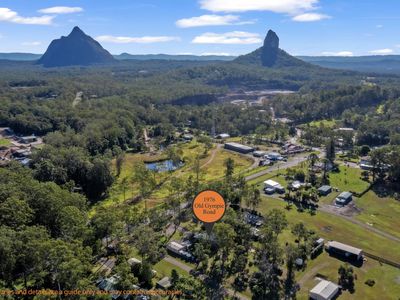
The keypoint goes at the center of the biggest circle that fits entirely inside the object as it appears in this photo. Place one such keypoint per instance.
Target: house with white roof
(271, 186)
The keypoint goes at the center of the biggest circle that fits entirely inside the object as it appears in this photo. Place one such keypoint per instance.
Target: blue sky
(305, 27)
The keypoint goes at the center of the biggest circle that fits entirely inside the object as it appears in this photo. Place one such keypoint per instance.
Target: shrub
(370, 282)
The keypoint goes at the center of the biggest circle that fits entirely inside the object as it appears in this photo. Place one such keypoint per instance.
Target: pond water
(163, 166)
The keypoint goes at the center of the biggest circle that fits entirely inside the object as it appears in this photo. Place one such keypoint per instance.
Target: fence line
(382, 260)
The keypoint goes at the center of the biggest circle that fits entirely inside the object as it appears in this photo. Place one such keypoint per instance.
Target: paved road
(292, 162)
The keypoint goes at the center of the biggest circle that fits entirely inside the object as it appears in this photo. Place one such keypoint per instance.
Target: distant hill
(270, 55)
(75, 49)
(127, 56)
(268, 67)
(378, 63)
(20, 56)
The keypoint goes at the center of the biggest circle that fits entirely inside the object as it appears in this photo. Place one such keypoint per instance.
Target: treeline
(371, 110)
(329, 104)
(45, 240)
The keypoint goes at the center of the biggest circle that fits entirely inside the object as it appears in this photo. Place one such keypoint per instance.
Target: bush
(370, 282)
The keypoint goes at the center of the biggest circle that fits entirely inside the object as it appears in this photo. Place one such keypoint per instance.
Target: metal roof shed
(325, 190)
(324, 290)
(346, 249)
(238, 147)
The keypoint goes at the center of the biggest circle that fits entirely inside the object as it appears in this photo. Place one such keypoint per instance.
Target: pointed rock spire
(270, 49)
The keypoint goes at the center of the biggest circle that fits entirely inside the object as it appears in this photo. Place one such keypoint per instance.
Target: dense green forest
(372, 110)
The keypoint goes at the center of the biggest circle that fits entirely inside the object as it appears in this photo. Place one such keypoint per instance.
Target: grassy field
(216, 169)
(325, 123)
(212, 168)
(348, 179)
(236, 139)
(164, 268)
(330, 199)
(332, 227)
(4, 142)
(387, 279)
(380, 212)
(259, 180)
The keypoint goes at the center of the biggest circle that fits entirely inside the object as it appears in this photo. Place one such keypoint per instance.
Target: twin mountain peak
(80, 49)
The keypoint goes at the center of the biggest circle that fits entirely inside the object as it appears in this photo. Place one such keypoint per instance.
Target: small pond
(163, 166)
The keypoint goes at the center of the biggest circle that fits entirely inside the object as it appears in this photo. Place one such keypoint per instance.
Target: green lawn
(380, 212)
(329, 199)
(387, 279)
(236, 139)
(4, 142)
(332, 227)
(216, 169)
(212, 168)
(248, 172)
(348, 179)
(259, 180)
(164, 268)
(325, 123)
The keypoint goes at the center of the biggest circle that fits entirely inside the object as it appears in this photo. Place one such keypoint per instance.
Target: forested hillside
(86, 195)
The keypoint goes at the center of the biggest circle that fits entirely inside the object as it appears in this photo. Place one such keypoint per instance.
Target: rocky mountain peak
(75, 49)
(270, 49)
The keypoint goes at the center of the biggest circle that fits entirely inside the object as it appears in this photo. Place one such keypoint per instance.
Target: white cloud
(60, 10)
(340, 53)
(8, 15)
(379, 26)
(277, 6)
(31, 43)
(234, 37)
(211, 20)
(310, 17)
(138, 40)
(381, 51)
(215, 54)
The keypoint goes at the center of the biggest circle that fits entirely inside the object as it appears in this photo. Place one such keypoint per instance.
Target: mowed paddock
(332, 227)
(212, 167)
(387, 278)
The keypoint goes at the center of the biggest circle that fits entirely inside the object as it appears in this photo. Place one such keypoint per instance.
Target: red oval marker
(209, 206)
